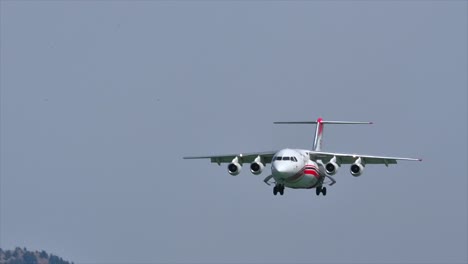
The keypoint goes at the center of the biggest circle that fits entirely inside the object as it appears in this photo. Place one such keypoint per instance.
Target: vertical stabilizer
(318, 135)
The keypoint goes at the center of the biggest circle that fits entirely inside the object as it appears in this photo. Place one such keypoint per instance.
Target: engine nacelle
(331, 168)
(356, 169)
(256, 168)
(234, 168)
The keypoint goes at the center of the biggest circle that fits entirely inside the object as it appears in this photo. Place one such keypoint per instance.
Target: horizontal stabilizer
(319, 129)
(324, 122)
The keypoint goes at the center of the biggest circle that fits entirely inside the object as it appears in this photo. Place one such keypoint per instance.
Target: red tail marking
(319, 123)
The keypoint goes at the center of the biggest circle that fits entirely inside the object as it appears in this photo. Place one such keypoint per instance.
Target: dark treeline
(23, 256)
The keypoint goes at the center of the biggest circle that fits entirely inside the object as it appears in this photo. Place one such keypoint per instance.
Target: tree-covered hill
(23, 256)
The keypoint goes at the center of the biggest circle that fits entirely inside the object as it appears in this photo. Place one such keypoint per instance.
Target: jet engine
(331, 167)
(256, 168)
(356, 169)
(234, 168)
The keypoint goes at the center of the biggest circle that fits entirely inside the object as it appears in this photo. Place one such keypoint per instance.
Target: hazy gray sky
(101, 99)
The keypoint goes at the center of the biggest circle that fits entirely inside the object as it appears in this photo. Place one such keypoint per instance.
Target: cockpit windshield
(294, 159)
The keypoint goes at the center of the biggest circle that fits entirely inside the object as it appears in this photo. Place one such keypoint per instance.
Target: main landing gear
(320, 189)
(279, 188)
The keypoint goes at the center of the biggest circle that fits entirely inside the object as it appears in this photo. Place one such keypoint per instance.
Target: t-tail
(319, 129)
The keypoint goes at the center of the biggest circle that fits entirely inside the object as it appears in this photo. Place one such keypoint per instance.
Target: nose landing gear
(279, 188)
(320, 189)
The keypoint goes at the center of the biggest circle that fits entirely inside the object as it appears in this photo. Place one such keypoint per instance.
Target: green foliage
(43, 254)
(17, 252)
(29, 258)
(22, 256)
(16, 261)
(54, 259)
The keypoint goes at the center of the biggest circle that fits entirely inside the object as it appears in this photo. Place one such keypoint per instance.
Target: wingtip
(419, 159)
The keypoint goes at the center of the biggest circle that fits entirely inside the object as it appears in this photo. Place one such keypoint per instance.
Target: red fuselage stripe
(307, 170)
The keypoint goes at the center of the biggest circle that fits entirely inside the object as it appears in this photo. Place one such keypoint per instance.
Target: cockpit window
(294, 159)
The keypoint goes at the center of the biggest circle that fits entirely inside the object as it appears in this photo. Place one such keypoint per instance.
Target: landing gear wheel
(318, 190)
(281, 190)
(324, 191)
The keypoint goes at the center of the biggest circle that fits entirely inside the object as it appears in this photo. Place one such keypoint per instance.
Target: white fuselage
(294, 169)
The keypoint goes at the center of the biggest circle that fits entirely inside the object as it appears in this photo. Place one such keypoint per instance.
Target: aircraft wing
(351, 158)
(244, 158)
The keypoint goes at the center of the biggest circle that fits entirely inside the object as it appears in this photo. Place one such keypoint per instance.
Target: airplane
(301, 168)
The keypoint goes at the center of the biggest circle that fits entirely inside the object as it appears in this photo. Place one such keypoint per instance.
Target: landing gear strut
(279, 188)
(320, 189)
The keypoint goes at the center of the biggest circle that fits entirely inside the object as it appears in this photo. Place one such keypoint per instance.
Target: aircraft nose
(282, 170)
